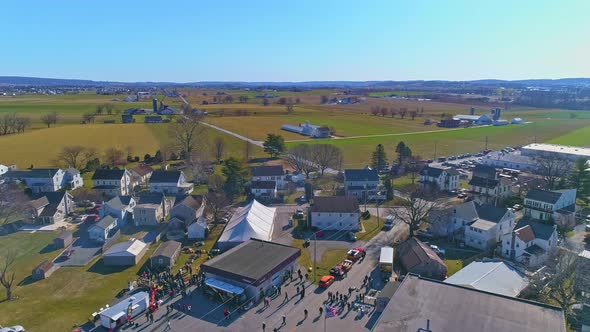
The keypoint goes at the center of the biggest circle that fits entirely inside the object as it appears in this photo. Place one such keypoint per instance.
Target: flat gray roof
(452, 308)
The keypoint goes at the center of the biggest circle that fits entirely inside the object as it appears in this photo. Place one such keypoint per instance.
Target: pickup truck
(355, 254)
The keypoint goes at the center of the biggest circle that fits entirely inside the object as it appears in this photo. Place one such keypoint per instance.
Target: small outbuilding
(43, 270)
(126, 253)
(166, 254)
(63, 240)
(116, 316)
(198, 229)
(417, 257)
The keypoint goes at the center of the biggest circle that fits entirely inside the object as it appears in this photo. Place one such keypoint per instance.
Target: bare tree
(416, 209)
(553, 169)
(49, 119)
(197, 167)
(7, 124)
(88, 117)
(413, 166)
(114, 157)
(218, 145)
(300, 158)
(289, 107)
(7, 274)
(187, 133)
(12, 202)
(326, 156)
(216, 203)
(22, 123)
(71, 156)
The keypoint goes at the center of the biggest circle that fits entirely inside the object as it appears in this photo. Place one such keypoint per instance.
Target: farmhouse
(245, 270)
(103, 229)
(264, 189)
(170, 183)
(119, 207)
(364, 184)
(307, 129)
(254, 221)
(530, 242)
(558, 205)
(335, 213)
(63, 240)
(441, 178)
(458, 308)
(491, 224)
(39, 179)
(151, 209)
(125, 253)
(555, 151)
(50, 207)
(269, 173)
(43, 270)
(166, 254)
(112, 182)
(491, 275)
(417, 257)
(487, 187)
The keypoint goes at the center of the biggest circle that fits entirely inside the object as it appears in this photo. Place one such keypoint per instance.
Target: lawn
(328, 260)
(371, 227)
(456, 259)
(579, 137)
(67, 297)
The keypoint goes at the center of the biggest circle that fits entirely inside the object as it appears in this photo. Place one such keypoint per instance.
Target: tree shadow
(27, 281)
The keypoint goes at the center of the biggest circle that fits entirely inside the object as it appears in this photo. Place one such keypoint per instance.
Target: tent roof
(252, 221)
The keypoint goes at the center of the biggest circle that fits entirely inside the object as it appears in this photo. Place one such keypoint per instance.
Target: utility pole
(434, 158)
(486, 143)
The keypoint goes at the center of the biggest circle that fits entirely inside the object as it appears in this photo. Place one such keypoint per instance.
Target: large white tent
(252, 221)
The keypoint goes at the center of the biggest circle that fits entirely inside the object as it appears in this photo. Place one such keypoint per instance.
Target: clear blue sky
(296, 40)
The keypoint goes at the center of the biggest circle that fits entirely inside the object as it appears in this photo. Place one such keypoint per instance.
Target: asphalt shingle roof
(541, 230)
(33, 173)
(490, 212)
(335, 204)
(167, 249)
(543, 195)
(105, 222)
(361, 175)
(108, 174)
(161, 176)
(483, 182)
(267, 171)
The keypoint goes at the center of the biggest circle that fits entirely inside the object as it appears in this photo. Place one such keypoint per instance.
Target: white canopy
(252, 221)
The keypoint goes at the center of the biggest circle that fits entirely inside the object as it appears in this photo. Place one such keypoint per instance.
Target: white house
(442, 178)
(335, 213)
(151, 209)
(264, 189)
(558, 205)
(363, 184)
(73, 179)
(50, 207)
(39, 179)
(491, 224)
(3, 169)
(530, 243)
(269, 173)
(102, 229)
(120, 207)
(141, 174)
(487, 187)
(170, 183)
(452, 220)
(198, 229)
(112, 182)
(188, 208)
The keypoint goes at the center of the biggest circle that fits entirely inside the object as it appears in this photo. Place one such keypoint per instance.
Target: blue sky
(185, 41)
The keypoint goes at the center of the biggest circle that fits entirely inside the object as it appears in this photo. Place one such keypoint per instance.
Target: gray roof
(414, 252)
(437, 171)
(108, 174)
(64, 235)
(483, 182)
(167, 249)
(192, 201)
(161, 176)
(119, 202)
(535, 250)
(105, 222)
(541, 230)
(465, 210)
(151, 198)
(267, 171)
(364, 174)
(456, 308)
(484, 171)
(490, 212)
(251, 260)
(33, 173)
(493, 276)
(544, 195)
(335, 204)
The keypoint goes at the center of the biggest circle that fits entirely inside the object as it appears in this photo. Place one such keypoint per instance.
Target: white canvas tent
(252, 221)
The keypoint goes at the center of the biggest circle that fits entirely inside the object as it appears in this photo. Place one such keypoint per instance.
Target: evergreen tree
(379, 160)
(402, 151)
(580, 178)
(388, 183)
(236, 175)
(274, 145)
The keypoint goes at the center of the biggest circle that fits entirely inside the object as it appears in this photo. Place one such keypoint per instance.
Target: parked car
(299, 214)
(355, 254)
(587, 227)
(326, 281)
(462, 195)
(437, 250)
(67, 254)
(16, 328)
(517, 207)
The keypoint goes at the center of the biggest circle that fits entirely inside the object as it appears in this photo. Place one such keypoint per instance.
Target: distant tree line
(575, 99)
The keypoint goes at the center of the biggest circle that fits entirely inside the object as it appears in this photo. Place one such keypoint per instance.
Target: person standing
(168, 327)
(284, 320)
(263, 326)
(304, 313)
(321, 310)
(286, 297)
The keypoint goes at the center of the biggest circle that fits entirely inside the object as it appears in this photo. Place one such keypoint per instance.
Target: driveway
(84, 251)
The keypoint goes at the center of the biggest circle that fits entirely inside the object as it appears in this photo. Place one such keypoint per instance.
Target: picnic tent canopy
(252, 221)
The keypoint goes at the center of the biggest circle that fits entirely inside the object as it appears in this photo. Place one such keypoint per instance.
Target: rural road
(243, 138)
(380, 135)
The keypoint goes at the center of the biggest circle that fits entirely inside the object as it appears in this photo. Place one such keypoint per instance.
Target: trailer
(386, 259)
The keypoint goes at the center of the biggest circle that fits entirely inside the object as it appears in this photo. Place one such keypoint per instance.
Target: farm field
(69, 296)
(579, 137)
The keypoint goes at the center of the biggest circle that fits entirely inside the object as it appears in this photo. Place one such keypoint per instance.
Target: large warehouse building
(555, 151)
(246, 269)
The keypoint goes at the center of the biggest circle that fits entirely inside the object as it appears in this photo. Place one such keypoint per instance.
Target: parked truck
(386, 260)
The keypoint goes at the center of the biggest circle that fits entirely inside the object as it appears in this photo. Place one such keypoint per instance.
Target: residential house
(50, 207)
(488, 187)
(530, 242)
(364, 184)
(6, 168)
(151, 209)
(43, 270)
(170, 183)
(198, 229)
(452, 220)
(558, 206)
(73, 179)
(417, 257)
(269, 173)
(119, 207)
(491, 224)
(188, 208)
(112, 182)
(335, 213)
(264, 189)
(39, 179)
(140, 175)
(166, 254)
(441, 178)
(103, 229)
(63, 240)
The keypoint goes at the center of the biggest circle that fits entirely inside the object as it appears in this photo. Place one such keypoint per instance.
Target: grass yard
(328, 260)
(372, 227)
(456, 259)
(580, 137)
(67, 297)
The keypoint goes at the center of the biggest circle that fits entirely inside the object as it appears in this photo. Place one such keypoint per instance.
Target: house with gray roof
(417, 257)
(558, 206)
(363, 184)
(103, 229)
(530, 242)
(487, 187)
(488, 228)
(274, 173)
(335, 213)
(170, 183)
(440, 178)
(39, 179)
(151, 209)
(450, 221)
(166, 254)
(119, 207)
(112, 182)
(49, 207)
(73, 179)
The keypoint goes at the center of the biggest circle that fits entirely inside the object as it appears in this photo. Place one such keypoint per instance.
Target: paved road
(229, 132)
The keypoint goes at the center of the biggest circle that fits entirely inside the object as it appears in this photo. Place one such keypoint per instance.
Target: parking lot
(84, 251)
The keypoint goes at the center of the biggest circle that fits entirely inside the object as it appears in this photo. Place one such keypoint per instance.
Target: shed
(43, 270)
(166, 254)
(417, 257)
(126, 253)
(63, 240)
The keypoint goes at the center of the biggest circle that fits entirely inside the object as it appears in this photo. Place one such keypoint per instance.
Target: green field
(579, 137)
